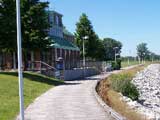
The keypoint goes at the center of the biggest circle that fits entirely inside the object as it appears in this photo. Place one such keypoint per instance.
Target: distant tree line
(144, 53)
(95, 48)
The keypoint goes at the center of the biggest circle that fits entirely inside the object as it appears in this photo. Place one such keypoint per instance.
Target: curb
(106, 108)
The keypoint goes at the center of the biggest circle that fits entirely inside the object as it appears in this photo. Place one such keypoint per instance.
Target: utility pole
(19, 46)
(115, 48)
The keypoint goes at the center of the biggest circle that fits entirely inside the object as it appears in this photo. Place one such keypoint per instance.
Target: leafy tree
(34, 24)
(85, 28)
(100, 52)
(8, 26)
(142, 51)
(153, 56)
(109, 45)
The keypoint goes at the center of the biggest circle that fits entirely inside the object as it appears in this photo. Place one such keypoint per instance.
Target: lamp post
(115, 48)
(84, 61)
(19, 46)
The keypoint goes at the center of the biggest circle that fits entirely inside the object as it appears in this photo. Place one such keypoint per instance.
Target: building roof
(63, 44)
(55, 12)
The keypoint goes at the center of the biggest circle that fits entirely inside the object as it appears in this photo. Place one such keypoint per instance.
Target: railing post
(40, 67)
(32, 60)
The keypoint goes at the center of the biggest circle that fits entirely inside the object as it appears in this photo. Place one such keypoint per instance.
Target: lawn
(34, 85)
(125, 63)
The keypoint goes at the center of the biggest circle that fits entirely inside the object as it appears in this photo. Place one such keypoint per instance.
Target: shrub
(122, 83)
(119, 63)
(116, 65)
(130, 91)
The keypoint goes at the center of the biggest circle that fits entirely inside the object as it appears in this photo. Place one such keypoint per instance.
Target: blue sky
(129, 21)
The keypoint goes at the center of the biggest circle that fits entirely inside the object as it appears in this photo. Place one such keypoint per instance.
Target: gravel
(148, 85)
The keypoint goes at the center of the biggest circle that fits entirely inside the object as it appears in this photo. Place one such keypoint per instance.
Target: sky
(129, 21)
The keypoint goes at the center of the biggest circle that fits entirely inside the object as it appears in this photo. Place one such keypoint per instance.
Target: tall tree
(85, 28)
(34, 24)
(109, 45)
(142, 51)
(100, 51)
(7, 25)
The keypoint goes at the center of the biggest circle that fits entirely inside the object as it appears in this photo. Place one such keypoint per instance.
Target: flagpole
(19, 47)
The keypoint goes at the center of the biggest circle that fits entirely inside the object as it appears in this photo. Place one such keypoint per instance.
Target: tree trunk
(32, 60)
(14, 60)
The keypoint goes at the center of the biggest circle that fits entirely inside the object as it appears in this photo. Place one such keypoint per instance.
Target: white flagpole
(19, 47)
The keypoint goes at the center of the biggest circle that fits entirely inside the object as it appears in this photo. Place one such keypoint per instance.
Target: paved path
(73, 101)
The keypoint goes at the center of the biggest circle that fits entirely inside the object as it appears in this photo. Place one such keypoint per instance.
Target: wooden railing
(42, 67)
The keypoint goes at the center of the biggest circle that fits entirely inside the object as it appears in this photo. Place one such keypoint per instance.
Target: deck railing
(42, 67)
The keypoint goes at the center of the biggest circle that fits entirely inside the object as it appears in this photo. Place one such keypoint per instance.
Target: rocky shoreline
(148, 85)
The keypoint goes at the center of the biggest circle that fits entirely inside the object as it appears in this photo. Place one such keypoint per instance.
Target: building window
(60, 22)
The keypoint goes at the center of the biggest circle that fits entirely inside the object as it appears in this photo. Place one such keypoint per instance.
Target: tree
(34, 25)
(8, 26)
(142, 51)
(153, 56)
(85, 28)
(109, 45)
(100, 52)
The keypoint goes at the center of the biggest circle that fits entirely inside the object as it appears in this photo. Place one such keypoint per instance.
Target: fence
(98, 65)
(91, 68)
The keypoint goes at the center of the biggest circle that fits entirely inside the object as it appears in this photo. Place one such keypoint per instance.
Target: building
(63, 46)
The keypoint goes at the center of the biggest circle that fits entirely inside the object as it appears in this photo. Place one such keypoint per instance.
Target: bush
(119, 63)
(116, 65)
(130, 91)
(122, 83)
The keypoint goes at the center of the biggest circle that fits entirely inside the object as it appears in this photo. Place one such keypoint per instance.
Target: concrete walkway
(73, 101)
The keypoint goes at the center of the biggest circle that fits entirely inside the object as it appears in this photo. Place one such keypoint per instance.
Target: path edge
(106, 108)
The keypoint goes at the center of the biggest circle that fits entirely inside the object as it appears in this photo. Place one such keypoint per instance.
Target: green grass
(125, 63)
(34, 85)
(122, 83)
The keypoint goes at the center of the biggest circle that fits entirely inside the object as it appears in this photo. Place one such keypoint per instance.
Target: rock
(148, 85)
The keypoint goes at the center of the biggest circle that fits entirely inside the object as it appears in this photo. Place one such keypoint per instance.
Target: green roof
(63, 43)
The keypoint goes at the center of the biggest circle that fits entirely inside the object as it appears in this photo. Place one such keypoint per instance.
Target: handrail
(42, 67)
(41, 62)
